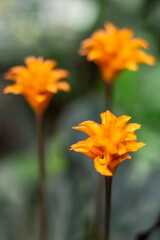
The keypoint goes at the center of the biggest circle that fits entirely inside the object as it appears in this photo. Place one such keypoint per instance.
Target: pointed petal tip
(72, 146)
(75, 127)
(152, 61)
(143, 144)
(109, 115)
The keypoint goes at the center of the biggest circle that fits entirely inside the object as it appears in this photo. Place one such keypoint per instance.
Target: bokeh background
(54, 29)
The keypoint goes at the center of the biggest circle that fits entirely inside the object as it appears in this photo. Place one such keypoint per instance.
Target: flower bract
(114, 50)
(37, 81)
(108, 143)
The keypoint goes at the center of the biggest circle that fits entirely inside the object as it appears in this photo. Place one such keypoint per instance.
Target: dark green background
(54, 29)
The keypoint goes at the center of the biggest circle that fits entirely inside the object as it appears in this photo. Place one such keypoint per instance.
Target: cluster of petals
(108, 143)
(114, 50)
(37, 81)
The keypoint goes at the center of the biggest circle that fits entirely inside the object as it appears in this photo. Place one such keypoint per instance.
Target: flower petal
(40, 98)
(133, 146)
(109, 116)
(15, 89)
(49, 64)
(103, 169)
(143, 57)
(115, 50)
(60, 73)
(121, 158)
(37, 81)
(121, 121)
(84, 129)
(131, 127)
(63, 86)
(109, 142)
(92, 126)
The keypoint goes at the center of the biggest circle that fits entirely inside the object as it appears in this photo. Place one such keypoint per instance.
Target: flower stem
(109, 88)
(99, 202)
(42, 205)
(108, 186)
(108, 179)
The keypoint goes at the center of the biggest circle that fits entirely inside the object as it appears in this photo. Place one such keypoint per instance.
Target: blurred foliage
(54, 29)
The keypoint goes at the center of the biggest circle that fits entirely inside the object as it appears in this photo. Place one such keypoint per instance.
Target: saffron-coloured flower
(37, 81)
(114, 50)
(108, 143)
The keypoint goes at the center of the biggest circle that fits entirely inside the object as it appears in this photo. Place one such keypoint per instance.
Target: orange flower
(109, 142)
(37, 81)
(114, 50)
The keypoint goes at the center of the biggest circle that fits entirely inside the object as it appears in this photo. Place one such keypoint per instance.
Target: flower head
(37, 81)
(108, 143)
(114, 50)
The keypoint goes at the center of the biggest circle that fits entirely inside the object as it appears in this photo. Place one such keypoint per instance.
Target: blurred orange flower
(37, 81)
(109, 142)
(114, 50)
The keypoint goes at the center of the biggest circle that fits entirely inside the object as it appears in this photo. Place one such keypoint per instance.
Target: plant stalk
(42, 204)
(108, 187)
(99, 203)
(109, 93)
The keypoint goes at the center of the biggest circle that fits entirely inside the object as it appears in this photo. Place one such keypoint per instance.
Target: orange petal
(63, 86)
(93, 126)
(87, 149)
(87, 43)
(93, 55)
(131, 127)
(109, 116)
(89, 145)
(139, 42)
(14, 71)
(91, 155)
(133, 146)
(78, 149)
(107, 144)
(103, 169)
(110, 27)
(78, 145)
(41, 97)
(52, 88)
(131, 65)
(60, 73)
(49, 64)
(15, 89)
(121, 149)
(86, 152)
(32, 62)
(115, 162)
(130, 136)
(84, 129)
(145, 58)
(126, 34)
(121, 121)
(118, 137)
(103, 118)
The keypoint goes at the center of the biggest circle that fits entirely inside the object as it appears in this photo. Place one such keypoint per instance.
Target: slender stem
(108, 186)
(109, 88)
(99, 195)
(42, 205)
(108, 179)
